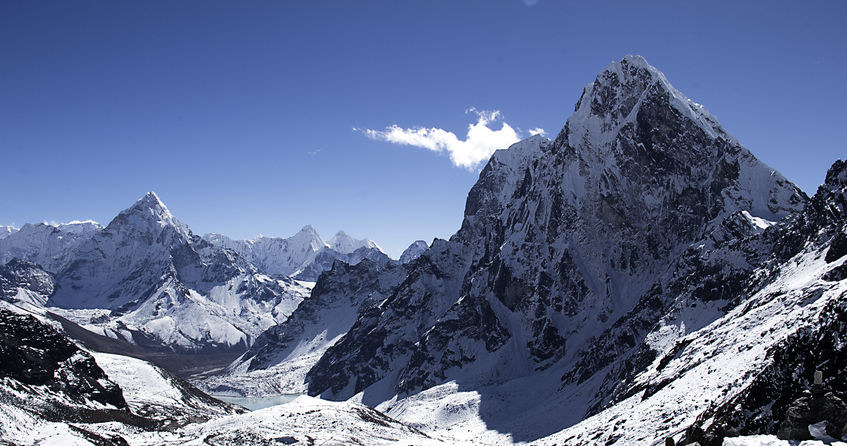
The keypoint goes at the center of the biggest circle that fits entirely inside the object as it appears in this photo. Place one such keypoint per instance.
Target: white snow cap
(149, 213)
(346, 244)
(413, 251)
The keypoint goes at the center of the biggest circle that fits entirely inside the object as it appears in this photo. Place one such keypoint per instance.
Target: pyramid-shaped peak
(307, 239)
(150, 204)
(619, 92)
(147, 214)
(623, 82)
(630, 62)
(150, 201)
(309, 230)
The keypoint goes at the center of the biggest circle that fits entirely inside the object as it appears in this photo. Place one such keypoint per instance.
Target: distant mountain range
(147, 279)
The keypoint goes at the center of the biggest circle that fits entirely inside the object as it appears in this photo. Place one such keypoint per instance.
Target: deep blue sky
(242, 117)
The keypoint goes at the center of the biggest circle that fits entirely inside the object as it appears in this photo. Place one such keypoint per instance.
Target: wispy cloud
(478, 145)
(312, 153)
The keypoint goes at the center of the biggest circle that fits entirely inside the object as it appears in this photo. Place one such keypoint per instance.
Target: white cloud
(477, 147)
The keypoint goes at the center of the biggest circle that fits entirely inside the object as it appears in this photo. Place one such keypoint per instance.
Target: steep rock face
(560, 241)
(155, 283)
(415, 303)
(37, 355)
(752, 351)
(49, 245)
(24, 281)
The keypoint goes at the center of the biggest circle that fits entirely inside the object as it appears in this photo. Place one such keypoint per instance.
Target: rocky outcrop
(22, 280)
(36, 354)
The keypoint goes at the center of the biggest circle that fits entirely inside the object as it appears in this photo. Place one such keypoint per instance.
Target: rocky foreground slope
(53, 392)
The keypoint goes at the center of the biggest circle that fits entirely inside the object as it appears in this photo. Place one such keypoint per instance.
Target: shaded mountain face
(560, 241)
(24, 281)
(755, 359)
(791, 364)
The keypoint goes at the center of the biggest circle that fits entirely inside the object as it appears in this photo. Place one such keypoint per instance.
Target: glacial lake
(258, 402)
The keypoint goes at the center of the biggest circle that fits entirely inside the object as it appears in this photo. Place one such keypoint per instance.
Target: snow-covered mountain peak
(148, 215)
(346, 244)
(414, 251)
(307, 239)
(617, 94)
(559, 242)
(152, 201)
(309, 229)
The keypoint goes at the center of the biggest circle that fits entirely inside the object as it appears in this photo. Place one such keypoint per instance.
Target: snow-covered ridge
(304, 255)
(7, 230)
(47, 244)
